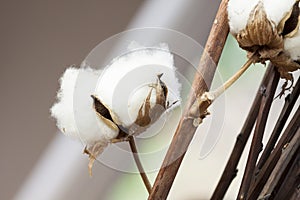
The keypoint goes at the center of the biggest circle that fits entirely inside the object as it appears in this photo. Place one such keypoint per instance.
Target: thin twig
(282, 167)
(198, 111)
(290, 101)
(256, 145)
(289, 188)
(230, 170)
(139, 164)
(202, 82)
(268, 167)
(232, 79)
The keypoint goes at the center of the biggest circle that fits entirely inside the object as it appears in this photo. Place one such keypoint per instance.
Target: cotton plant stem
(268, 167)
(290, 101)
(198, 110)
(216, 93)
(256, 144)
(289, 188)
(139, 164)
(280, 172)
(186, 130)
(230, 170)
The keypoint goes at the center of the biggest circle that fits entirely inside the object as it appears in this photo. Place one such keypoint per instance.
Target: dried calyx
(267, 38)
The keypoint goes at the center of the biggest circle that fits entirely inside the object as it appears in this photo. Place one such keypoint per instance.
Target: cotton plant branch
(290, 154)
(198, 110)
(230, 170)
(139, 163)
(263, 175)
(256, 145)
(186, 130)
(289, 187)
(290, 101)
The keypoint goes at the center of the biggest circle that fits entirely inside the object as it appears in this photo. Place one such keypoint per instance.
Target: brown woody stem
(216, 93)
(256, 145)
(290, 101)
(230, 170)
(139, 164)
(282, 170)
(202, 82)
(264, 173)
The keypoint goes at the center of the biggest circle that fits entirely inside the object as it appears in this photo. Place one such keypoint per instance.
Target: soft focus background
(39, 39)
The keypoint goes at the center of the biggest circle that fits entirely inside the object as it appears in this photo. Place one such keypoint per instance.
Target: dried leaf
(93, 151)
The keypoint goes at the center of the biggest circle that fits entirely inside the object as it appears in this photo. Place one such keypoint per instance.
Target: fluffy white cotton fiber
(125, 83)
(74, 110)
(276, 10)
(239, 12)
(292, 46)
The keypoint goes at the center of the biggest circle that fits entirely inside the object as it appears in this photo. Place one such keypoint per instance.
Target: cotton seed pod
(88, 109)
(265, 27)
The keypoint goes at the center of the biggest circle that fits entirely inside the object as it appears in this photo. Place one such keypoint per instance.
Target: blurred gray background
(39, 39)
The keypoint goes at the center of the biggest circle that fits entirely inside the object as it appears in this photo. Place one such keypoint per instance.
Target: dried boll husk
(268, 27)
(148, 114)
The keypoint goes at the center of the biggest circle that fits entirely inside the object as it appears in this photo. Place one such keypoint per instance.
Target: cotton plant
(269, 31)
(91, 106)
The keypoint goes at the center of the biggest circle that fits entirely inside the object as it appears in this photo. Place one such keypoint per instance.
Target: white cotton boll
(292, 46)
(276, 10)
(238, 14)
(74, 110)
(125, 83)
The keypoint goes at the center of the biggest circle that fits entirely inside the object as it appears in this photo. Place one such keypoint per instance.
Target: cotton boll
(93, 106)
(277, 10)
(292, 46)
(238, 14)
(74, 110)
(264, 29)
(127, 81)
